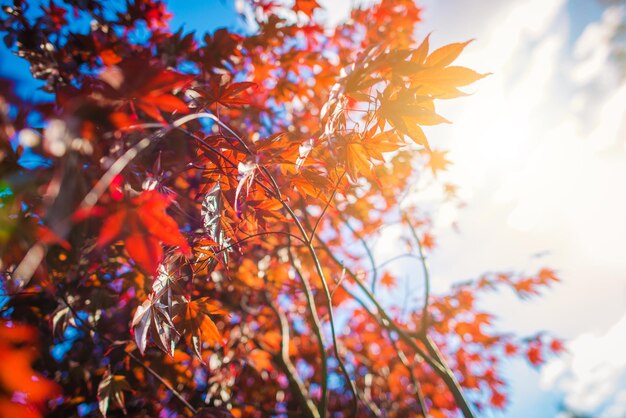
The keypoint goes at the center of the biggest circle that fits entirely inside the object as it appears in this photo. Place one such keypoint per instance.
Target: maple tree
(202, 208)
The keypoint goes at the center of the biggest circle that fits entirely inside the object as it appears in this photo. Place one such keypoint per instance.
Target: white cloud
(592, 49)
(593, 373)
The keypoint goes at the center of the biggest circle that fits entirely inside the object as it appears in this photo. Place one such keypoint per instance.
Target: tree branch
(317, 328)
(283, 359)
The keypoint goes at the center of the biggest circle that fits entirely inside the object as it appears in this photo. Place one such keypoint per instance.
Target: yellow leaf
(417, 135)
(446, 78)
(419, 55)
(425, 117)
(356, 160)
(446, 54)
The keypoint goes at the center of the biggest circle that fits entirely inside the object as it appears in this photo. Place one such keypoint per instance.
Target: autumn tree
(187, 224)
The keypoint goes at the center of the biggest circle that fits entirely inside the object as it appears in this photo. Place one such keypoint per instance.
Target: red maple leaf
(144, 226)
(534, 355)
(510, 349)
(146, 85)
(498, 400)
(557, 346)
(228, 95)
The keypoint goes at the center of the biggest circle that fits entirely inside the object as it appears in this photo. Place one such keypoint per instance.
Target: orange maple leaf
(197, 326)
(388, 280)
(436, 78)
(306, 6)
(437, 161)
(428, 241)
(450, 189)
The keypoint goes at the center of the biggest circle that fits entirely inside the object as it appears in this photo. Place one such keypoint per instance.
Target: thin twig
(328, 202)
(419, 396)
(449, 377)
(425, 319)
(434, 359)
(284, 361)
(320, 272)
(368, 250)
(317, 327)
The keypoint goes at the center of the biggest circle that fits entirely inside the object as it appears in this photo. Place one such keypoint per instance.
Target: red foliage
(24, 391)
(205, 206)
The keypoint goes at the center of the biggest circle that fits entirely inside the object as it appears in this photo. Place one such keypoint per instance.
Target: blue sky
(538, 152)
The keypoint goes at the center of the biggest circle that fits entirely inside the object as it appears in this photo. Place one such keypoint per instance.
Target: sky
(538, 150)
(539, 153)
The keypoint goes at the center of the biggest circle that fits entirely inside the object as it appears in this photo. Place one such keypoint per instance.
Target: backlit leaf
(111, 389)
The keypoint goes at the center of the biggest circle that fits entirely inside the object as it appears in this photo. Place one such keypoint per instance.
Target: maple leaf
(466, 299)
(220, 49)
(546, 276)
(434, 77)
(260, 360)
(164, 281)
(311, 183)
(148, 87)
(534, 355)
(156, 15)
(557, 346)
(144, 225)
(381, 143)
(358, 151)
(442, 56)
(357, 161)
(525, 287)
(450, 189)
(211, 212)
(437, 161)
(55, 14)
(195, 323)
(153, 319)
(153, 12)
(388, 280)
(247, 172)
(510, 349)
(428, 241)
(112, 387)
(62, 318)
(498, 400)
(306, 6)
(406, 111)
(228, 95)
